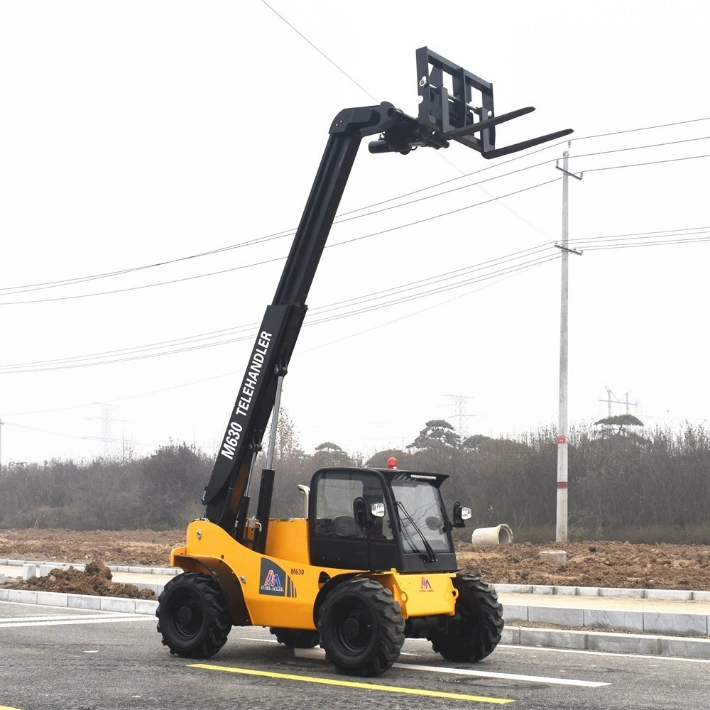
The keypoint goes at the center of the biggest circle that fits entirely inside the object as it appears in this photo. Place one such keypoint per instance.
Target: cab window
(336, 493)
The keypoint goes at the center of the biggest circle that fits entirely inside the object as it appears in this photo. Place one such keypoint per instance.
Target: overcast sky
(138, 133)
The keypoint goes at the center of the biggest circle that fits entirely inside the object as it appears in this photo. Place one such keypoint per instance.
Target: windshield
(422, 503)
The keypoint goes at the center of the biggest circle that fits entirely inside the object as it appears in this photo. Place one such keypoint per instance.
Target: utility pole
(1, 423)
(563, 425)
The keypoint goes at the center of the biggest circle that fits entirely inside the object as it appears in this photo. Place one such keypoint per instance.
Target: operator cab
(380, 519)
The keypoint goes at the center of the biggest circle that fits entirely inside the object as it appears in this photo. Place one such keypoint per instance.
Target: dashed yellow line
(6, 707)
(352, 684)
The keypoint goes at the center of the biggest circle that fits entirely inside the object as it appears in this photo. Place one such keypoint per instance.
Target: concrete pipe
(499, 535)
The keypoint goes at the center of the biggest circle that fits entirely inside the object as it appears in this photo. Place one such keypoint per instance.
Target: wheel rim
(353, 628)
(187, 616)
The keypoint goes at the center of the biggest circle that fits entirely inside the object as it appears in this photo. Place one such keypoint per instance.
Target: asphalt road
(66, 659)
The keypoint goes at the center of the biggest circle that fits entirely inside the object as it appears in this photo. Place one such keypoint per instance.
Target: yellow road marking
(6, 707)
(352, 684)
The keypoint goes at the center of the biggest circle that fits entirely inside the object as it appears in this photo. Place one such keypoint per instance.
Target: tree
(437, 433)
(621, 420)
(475, 441)
(170, 485)
(330, 454)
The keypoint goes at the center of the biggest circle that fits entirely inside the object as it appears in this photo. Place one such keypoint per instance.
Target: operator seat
(346, 525)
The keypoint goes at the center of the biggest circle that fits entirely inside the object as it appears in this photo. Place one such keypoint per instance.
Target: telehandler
(373, 561)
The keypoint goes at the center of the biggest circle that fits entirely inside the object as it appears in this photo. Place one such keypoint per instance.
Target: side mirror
(462, 513)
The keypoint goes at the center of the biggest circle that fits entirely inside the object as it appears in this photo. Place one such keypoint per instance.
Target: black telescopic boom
(282, 322)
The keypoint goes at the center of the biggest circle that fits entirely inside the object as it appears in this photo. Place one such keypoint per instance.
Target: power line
(501, 163)
(347, 216)
(233, 373)
(644, 128)
(323, 54)
(367, 330)
(419, 311)
(357, 300)
(445, 192)
(355, 308)
(643, 234)
(373, 300)
(441, 289)
(432, 280)
(641, 147)
(667, 236)
(275, 259)
(655, 243)
(512, 172)
(652, 162)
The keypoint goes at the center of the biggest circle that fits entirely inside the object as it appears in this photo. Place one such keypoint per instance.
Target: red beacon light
(391, 462)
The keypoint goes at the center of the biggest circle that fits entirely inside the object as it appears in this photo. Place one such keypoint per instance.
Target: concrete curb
(633, 644)
(646, 622)
(79, 601)
(619, 592)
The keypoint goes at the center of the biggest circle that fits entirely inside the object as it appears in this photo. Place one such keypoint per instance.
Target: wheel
(361, 628)
(296, 638)
(192, 616)
(479, 622)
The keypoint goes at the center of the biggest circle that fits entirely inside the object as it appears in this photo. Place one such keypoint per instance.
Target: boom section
(283, 319)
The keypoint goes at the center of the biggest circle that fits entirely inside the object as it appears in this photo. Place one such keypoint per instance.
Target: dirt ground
(95, 580)
(605, 564)
(594, 564)
(124, 547)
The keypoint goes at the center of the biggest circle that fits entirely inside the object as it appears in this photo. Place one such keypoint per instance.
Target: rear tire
(361, 627)
(296, 638)
(192, 616)
(479, 622)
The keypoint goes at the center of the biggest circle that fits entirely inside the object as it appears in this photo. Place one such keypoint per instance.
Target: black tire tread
(390, 628)
(482, 626)
(214, 635)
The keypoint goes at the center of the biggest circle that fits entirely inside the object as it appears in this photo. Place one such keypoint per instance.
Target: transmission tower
(106, 418)
(614, 404)
(460, 415)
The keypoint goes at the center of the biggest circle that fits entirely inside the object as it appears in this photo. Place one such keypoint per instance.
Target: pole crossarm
(568, 249)
(567, 172)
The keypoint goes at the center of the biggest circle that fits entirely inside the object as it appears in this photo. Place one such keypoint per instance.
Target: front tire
(361, 627)
(192, 616)
(296, 638)
(479, 622)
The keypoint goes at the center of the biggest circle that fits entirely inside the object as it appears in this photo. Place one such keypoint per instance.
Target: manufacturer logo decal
(426, 585)
(272, 583)
(274, 580)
